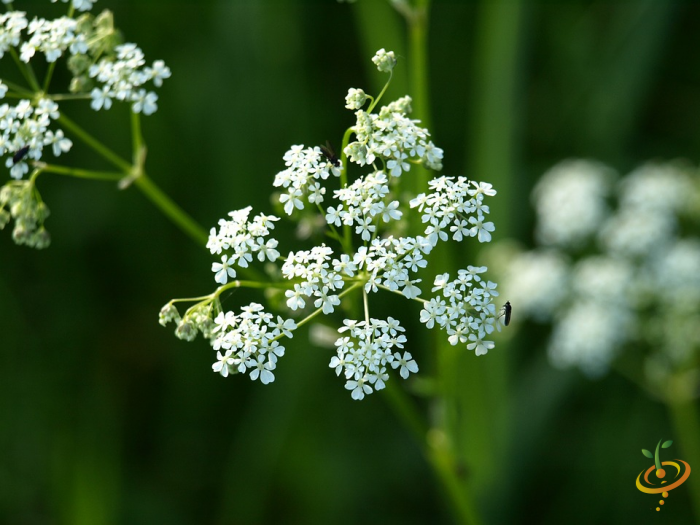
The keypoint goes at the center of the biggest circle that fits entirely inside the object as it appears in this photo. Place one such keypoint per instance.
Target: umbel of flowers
(361, 217)
(617, 267)
(103, 69)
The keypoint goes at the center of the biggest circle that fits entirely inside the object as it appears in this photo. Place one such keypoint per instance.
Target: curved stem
(379, 97)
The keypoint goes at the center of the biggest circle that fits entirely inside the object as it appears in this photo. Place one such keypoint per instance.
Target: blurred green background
(105, 417)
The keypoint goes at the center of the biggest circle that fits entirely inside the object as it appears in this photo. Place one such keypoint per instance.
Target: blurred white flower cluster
(618, 265)
(374, 257)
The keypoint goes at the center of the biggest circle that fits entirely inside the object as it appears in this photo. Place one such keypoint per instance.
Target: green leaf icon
(667, 444)
(647, 453)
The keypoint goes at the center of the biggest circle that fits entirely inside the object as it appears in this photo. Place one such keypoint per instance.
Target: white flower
(480, 229)
(359, 388)
(101, 98)
(224, 360)
(384, 60)
(262, 368)
(478, 344)
(223, 270)
(407, 364)
(59, 143)
(355, 99)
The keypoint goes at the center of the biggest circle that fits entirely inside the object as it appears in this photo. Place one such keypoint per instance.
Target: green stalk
(418, 77)
(482, 386)
(686, 425)
(95, 144)
(152, 192)
(171, 210)
(347, 232)
(436, 452)
(26, 70)
(80, 173)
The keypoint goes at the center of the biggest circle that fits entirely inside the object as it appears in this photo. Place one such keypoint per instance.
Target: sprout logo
(662, 486)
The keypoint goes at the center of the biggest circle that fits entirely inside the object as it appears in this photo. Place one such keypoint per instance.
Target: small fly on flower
(506, 310)
(328, 152)
(20, 154)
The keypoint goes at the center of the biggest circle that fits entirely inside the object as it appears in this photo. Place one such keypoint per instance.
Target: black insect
(506, 311)
(328, 152)
(20, 154)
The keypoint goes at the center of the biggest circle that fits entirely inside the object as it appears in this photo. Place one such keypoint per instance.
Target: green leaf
(647, 453)
(667, 444)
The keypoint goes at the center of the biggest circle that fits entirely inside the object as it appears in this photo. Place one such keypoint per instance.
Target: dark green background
(105, 417)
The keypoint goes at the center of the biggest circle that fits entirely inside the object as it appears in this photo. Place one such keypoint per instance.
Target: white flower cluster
(450, 204)
(244, 239)
(248, 342)
(318, 280)
(307, 167)
(25, 133)
(537, 281)
(570, 202)
(465, 310)
(12, 24)
(80, 5)
(53, 37)
(392, 138)
(388, 141)
(364, 354)
(651, 199)
(388, 263)
(355, 98)
(643, 284)
(362, 202)
(601, 303)
(121, 72)
(124, 77)
(384, 60)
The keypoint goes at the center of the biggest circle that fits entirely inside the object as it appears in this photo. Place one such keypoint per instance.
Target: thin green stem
(347, 232)
(164, 203)
(19, 89)
(417, 299)
(317, 311)
(418, 71)
(95, 144)
(136, 137)
(49, 74)
(381, 93)
(79, 173)
(171, 210)
(434, 446)
(26, 70)
(68, 96)
(366, 305)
